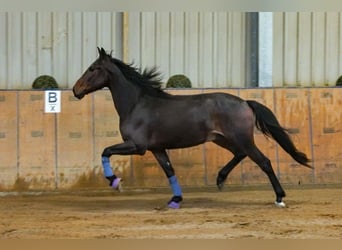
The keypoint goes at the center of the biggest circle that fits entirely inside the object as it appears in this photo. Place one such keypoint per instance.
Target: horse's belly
(178, 137)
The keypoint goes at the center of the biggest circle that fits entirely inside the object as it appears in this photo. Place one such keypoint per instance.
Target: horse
(151, 119)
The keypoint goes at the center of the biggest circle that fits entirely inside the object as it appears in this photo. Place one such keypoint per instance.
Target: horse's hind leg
(238, 157)
(265, 164)
(224, 172)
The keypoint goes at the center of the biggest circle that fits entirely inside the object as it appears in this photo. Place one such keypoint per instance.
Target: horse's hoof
(280, 204)
(117, 184)
(174, 205)
(220, 186)
(220, 182)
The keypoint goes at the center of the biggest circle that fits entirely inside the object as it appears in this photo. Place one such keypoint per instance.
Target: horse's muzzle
(78, 90)
(77, 95)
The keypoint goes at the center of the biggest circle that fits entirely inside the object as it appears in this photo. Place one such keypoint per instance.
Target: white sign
(52, 101)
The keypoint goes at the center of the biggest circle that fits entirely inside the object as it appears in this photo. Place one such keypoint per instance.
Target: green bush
(339, 81)
(45, 82)
(178, 81)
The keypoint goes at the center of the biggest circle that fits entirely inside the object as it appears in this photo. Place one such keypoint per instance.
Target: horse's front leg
(125, 148)
(165, 163)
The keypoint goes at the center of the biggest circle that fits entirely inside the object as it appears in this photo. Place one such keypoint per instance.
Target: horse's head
(95, 77)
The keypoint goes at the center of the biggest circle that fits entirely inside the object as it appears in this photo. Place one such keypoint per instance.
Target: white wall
(307, 48)
(61, 44)
(208, 47)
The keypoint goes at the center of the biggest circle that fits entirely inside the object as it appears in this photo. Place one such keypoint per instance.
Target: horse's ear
(102, 53)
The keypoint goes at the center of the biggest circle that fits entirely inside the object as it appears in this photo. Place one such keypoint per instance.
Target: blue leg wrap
(107, 169)
(176, 189)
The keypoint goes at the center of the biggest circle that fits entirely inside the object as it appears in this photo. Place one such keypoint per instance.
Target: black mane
(148, 78)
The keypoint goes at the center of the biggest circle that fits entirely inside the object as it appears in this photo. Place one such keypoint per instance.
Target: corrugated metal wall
(61, 44)
(208, 47)
(307, 48)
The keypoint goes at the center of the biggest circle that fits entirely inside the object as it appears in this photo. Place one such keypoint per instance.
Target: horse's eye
(91, 69)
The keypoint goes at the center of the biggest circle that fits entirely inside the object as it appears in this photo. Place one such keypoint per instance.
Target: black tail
(268, 124)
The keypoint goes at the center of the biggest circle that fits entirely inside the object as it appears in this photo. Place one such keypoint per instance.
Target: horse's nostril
(74, 91)
(78, 94)
(79, 89)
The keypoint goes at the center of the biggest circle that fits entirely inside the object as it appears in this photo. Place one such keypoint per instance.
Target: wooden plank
(326, 106)
(82, 134)
(107, 133)
(293, 114)
(147, 172)
(37, 142)
(217, 157)
(75, 144)
(8, 139)
(251, 172)
(175, 91)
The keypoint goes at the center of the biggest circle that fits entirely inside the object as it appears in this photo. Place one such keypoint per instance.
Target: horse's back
(183, 121)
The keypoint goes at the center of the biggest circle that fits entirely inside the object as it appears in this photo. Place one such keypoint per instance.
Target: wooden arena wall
(63, 150)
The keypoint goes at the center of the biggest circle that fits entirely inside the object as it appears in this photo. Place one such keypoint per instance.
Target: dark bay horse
(151, 119)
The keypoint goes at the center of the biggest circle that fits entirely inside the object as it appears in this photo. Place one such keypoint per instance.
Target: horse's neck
(125, 95)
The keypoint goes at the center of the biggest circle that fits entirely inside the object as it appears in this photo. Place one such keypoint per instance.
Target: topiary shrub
(45, 82)
(339, 81)
(178, 81)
